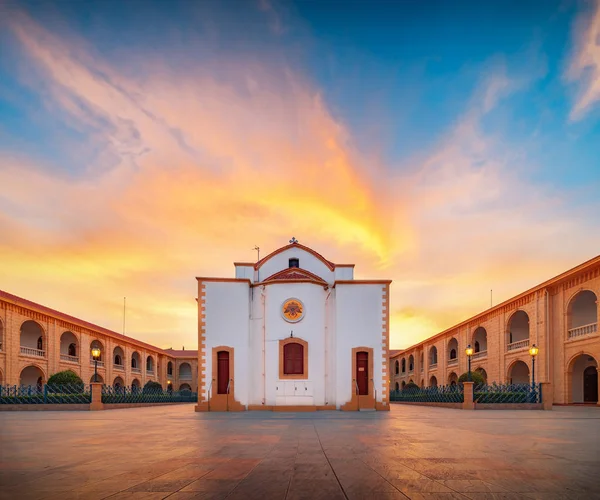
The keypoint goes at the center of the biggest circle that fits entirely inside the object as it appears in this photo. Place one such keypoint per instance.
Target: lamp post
(469, 353)
(533, 351)
(96, 355)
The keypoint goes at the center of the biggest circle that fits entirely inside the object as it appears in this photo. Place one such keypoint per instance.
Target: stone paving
(410, 452)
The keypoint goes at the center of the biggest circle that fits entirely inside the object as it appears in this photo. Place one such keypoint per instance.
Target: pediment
(295, 274)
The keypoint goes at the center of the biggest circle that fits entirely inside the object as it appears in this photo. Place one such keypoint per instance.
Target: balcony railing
(185, 376)
(453, 362)
(480, 355)
(100, 363)
(29, 351)
(121, 368)
(580, 331)
(136, 370)
(520, 344)
(411, 371)
(432, 365)
(150, 371)
(69, 359)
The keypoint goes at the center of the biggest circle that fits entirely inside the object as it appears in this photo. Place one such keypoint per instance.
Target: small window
(294, 262)
(293, 359)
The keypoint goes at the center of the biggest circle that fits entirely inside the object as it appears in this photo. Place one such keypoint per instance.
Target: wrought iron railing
(47, 394)
(30, 351)
(508, 393)
(439, 394)
(146, 395)
(583, 330)
(519, 344)
(69, 359)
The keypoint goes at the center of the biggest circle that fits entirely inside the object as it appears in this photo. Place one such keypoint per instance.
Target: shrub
(152, 386)
(476, 378)
(411, 386)
(65, 377)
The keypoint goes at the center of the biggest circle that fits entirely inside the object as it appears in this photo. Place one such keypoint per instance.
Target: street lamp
(533, 351)
(96, 355)
(469, 352)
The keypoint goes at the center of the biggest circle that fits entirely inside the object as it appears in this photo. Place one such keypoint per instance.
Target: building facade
(293, 331)
(36, 342)
(560, 316)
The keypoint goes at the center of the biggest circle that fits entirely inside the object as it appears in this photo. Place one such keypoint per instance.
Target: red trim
(295, 273)
(330, 265)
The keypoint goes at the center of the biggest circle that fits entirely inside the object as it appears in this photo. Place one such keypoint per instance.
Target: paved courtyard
(411, 452)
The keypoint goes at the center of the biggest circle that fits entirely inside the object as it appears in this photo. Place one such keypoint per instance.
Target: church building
(293, 332)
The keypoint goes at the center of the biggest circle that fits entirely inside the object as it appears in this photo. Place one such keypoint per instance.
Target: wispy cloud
(198, 165)
(584, 67)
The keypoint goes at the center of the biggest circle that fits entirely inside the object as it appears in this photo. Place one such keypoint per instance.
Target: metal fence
(47, 394)
(438, 394)
(508, 393)
(146, 395)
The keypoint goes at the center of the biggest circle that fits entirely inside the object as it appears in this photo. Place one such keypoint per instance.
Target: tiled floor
(414, 452)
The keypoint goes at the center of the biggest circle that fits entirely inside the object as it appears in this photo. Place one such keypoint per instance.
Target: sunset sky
(451, 147)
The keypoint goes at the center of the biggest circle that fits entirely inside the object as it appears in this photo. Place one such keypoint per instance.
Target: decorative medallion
(292, 310)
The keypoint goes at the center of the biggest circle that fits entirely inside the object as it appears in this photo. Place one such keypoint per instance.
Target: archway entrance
(590, 385)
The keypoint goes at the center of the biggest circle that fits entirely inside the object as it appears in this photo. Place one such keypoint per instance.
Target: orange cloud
(199, 165)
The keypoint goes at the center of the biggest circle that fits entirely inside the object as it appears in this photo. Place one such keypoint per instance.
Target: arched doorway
(518, 331)
(222, 372)
(100, 379)
(518, 373)
(453, 349)
(433, 382)
(362, 372)
(32, 375)
(118, 382)
(583, 371)
(582, 314)
(185, 371)
(185, 387)
(479, 342)
(483, 373)
(433, 356)
(32, 339)
(452, 379)
(69, 347)
(397, 388)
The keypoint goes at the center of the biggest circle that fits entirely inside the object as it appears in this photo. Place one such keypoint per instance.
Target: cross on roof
(293, 240)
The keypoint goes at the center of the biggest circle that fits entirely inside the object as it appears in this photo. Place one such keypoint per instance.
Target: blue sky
(411, 127)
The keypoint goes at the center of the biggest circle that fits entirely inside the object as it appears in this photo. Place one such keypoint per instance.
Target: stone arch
(136, 383)
(453, 348)
(32, 375)
(479, 340)
(411, 363)
(582, 314)
(518, 372)
(100, 379)
(452, 379)
(433, 381)
(33, 338)
(136, 362)
(170, 368)
(433, 355)
(397, 386)
(97, 343)
(185, 371)
(483, 373)
(581, 369)
(403, 365)
(118, 356)
(149, 364)
(118, 382)
(403, 385)
(517, 330)
(185, 387)
(69, 346)
(397, 367)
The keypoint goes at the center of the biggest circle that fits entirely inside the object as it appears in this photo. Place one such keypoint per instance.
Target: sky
(451, 147)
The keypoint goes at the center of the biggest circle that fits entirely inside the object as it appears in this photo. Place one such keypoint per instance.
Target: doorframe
(364, 401)
(223, 402)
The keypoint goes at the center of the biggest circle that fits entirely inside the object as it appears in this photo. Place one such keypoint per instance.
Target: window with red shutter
(293, 359)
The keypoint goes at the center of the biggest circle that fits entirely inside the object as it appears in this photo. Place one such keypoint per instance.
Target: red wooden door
(222, 372)
(362, 372)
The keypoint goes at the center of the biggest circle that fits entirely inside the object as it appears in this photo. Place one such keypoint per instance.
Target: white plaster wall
(244, 272)
(307, 261)
(359, 322)
(310, 329)
(227, 324)
(344, 273)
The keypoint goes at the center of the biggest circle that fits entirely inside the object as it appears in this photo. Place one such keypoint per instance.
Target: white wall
(359, 322)
(244, 273)
(344, 273)
(307, 261)
(227, 324)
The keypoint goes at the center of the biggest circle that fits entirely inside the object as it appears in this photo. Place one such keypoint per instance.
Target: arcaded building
(293, 331)
(36, 342)
(560, 316)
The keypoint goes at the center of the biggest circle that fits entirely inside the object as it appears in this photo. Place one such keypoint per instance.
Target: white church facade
(293, 332)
